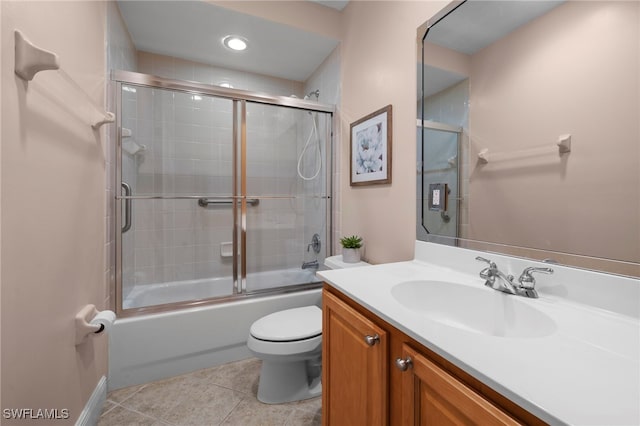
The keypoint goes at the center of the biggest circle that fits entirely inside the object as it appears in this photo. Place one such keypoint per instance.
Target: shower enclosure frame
(239, 99)
(446, 128)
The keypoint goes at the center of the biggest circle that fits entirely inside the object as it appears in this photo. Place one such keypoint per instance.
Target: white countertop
(587, 372)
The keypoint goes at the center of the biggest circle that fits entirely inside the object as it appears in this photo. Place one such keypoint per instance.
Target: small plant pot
(350, 255)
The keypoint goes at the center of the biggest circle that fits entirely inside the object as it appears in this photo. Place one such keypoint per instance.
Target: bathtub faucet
(310, 265)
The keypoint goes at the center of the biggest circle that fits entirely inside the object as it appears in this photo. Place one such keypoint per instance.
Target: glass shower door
(287, 171)
(440, 181)
(176, 159)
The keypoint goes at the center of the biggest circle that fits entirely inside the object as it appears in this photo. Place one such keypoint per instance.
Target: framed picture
(371, 148)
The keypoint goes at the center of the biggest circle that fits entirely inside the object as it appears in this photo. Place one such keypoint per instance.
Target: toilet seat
(290, 325)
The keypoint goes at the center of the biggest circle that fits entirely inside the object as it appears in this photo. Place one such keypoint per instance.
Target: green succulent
(353, 242)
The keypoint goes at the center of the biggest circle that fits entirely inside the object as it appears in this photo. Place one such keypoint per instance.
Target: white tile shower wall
(121, 55)
(451, 106)
(327, 79)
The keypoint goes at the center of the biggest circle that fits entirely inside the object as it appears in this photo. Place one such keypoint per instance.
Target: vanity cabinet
(356, 349)
(374, 374)
(431, 396)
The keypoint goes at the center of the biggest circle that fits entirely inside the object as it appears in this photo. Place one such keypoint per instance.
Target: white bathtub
(150, 347)
(180, 291)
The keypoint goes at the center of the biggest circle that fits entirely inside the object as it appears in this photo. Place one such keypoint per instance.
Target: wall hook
(31, 59)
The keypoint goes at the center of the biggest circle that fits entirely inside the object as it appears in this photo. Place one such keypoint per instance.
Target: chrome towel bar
(205, 202)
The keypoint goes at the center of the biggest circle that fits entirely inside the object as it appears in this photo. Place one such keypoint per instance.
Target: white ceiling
(194, 30)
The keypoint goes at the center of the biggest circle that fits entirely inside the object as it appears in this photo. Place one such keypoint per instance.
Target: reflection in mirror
(502, 84)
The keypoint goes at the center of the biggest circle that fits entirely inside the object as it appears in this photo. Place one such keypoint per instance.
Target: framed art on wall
(371, 148)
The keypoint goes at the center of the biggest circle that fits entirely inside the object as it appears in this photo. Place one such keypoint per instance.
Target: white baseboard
(91, 412)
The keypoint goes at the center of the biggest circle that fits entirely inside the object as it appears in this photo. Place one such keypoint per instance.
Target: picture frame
(370, 148)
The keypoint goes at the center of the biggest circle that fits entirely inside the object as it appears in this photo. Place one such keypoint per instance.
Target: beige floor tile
(241, 376)
(312, 405)
(108, 405)
(304, 418)
(251, 412)
(124, 393)
(120, 416)
(209, 406)
(157, 399)
(220, 395)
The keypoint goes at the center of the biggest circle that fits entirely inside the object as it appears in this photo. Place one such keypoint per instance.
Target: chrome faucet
(495, 278)
(528, 282)
(310, 265)
(498, 280)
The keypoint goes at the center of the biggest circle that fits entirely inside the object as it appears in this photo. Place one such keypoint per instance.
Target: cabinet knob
(371, 340)
(403, 364)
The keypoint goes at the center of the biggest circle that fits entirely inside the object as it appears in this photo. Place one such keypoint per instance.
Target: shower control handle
(371, 340)
(315, 244)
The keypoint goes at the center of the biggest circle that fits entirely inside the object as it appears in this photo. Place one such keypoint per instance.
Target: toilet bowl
(289, 343)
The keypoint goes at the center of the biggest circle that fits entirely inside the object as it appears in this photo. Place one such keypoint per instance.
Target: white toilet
(289, 343)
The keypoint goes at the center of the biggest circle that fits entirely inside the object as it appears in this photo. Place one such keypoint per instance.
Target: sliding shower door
(223, 193)
(287, 171)
(177, 166)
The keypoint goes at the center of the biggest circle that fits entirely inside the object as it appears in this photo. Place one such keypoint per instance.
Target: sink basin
(477, 310)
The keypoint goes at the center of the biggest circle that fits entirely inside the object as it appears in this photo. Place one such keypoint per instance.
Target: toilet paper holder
(84, 327)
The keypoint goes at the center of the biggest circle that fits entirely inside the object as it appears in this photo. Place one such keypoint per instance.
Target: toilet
(289, 343)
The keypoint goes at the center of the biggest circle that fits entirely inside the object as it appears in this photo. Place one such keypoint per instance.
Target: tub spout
(310, 265)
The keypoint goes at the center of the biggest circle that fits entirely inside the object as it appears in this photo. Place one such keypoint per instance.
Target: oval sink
(478, 310)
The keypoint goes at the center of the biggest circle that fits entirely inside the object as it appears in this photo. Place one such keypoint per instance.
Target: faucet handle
(527, 280)
(492, 265)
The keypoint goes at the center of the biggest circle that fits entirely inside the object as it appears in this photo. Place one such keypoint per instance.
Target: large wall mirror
(529, 130)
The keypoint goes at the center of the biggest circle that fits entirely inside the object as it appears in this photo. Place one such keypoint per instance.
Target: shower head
(315, 93)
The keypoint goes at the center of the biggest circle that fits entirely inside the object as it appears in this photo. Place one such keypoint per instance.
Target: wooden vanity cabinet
(356, 350)
(373, 374)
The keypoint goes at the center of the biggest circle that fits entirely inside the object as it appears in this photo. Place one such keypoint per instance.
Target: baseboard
(91, 412)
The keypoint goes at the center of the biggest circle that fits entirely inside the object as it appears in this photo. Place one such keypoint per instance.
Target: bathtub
(150, 347)
(180, 291)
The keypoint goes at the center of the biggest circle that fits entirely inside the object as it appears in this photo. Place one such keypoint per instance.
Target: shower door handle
(206, 202)
(127, 207)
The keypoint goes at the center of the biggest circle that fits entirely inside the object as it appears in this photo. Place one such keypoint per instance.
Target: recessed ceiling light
(235, 42)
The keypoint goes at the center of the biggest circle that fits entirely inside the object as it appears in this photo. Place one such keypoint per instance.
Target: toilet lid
(289, 325)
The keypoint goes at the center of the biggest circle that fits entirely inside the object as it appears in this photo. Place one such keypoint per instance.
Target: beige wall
(52, 209)
(379, 68)
(580, 76)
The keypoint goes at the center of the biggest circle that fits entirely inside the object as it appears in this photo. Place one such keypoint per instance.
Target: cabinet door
(354, 367)
(431, 396)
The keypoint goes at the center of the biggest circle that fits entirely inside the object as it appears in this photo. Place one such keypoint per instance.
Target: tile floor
(223, 395)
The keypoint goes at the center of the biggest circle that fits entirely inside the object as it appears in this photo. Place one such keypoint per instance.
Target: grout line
(113, 405)
(133, 411)
(232, 410)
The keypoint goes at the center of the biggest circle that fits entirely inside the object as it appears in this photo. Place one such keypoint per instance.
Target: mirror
(528, 130)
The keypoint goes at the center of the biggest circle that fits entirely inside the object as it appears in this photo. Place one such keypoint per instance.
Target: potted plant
(351, 248)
